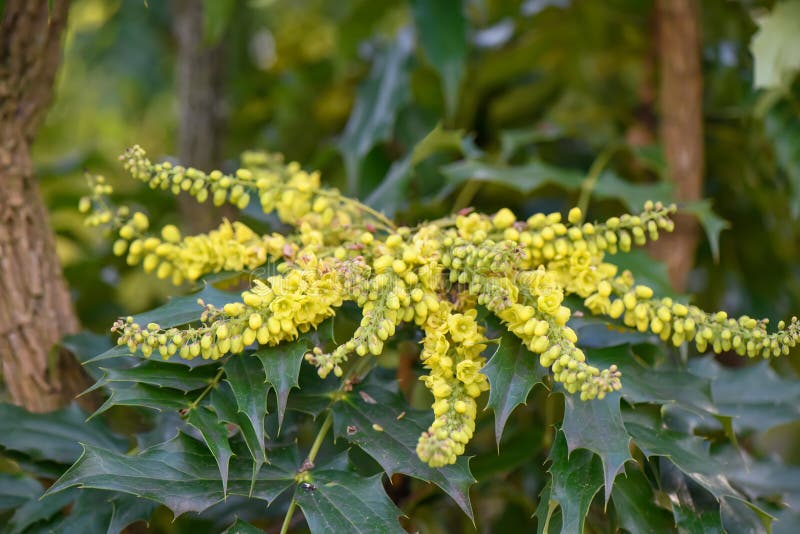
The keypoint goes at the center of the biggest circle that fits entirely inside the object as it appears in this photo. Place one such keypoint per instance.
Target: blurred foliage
(421, 113)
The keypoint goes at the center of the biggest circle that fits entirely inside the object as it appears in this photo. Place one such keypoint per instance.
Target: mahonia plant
(435, 275)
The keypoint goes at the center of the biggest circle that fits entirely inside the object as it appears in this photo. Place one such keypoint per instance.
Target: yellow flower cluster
(274, 310)
(434, 275)
(452, 352)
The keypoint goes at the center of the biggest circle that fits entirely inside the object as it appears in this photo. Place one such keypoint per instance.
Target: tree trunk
(199, 89)
(681, 126)
(35, 307)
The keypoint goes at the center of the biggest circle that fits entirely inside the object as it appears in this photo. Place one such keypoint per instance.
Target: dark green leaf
(128, 509)
(576, 479)
(245, 374)
(442, 30)
(39, 509)
(224, 403)
(597, 425)
(705, 521)
(662, 385)
(243, 527)
(636, 506)
(394, 447)
(775, 401)
(376, 106)
(181, 474)
(512, 371)
(102, 511)
(633, 195)
(282, 368)
(159, 374)
(182, 310)
(17, 489)
(53, 436)
(712, 223)
(215, 434)
(513, 140)
(342, 501)
(524, 178)
(548, 517)
(145, 396)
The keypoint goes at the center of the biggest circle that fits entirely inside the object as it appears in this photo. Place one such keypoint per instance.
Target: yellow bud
(120, 246)
(170, 233)
(575, 216)
(255, 322)
(140, 221)
(503, 219)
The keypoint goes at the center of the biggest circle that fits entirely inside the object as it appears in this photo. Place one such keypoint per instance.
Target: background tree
(35, 307)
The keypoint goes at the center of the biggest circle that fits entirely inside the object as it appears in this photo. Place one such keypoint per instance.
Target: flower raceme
(435, 275)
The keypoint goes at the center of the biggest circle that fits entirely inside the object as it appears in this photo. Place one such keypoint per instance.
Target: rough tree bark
(35, 306)
(199, 83)
(681, 126)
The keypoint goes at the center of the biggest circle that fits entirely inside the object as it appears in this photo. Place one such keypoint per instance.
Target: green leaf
(181, 474)
(378, 99)
(775, 401)
(636, 506)
(159, 374)
(245, 374)
(513, 140)
(660, 385)
(512, 371)
(576, 479)
(39, 509)
(776, 45)
(524, 178)
(282, 368)
(144, 396)
(217, 15)
(393, 445)
(53, 436)
(633, 195)
(17, 489)
(342, 501)
(224, 403)
(712, 223)
(690, 520)
(689, 453)
(597, 425)
(102, 511)
(645, 269)
(243, 527)
(442, 29)
(215, 434)
(128, 509)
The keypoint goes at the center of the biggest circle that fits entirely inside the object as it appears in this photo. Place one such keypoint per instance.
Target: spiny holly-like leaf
(181, 474)
(661, 385)
(144, 396)
(17, 489)
(393, 442)
(53, 436)
(576, 479)
(342, 501)
(636, 506)
(243, 527)
(688, 453)
(442, 31)
(377, 102)
(159, 374)
(103, 511)
(690, 520)
(512, 372)
(775, 401)
(712, 224)
(597, 425)
(215, 434)
(245, 374)
(282, 368)
(224, 403)
(39, 509)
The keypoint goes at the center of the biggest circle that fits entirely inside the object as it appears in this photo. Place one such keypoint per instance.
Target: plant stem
(323, 431)
(592, 176)
(209, 387)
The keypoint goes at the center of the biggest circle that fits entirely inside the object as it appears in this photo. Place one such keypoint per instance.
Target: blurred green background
(421, 113)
